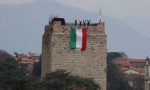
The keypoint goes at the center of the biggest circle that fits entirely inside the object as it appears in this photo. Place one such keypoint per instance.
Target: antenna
(100, 12)
(100, 15)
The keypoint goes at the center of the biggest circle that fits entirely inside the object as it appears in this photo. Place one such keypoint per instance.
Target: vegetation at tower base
(114, 76)
(62, 80)
(37, 70)
(12, 75)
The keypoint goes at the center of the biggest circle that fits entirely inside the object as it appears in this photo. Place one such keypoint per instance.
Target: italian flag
(78, 38)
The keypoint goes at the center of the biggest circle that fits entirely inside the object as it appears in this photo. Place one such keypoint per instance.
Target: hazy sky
(133, 12)
(15, 2)
(114, 8)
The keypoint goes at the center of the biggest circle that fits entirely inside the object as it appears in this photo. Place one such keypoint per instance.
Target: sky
(15, 2)
(132, 13)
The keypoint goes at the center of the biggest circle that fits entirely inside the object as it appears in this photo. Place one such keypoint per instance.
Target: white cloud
(15, 2)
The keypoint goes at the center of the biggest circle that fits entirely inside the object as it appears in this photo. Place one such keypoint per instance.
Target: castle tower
(147, 74)
(57, 54)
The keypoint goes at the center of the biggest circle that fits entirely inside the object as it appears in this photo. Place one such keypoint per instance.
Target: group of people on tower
(83, 22)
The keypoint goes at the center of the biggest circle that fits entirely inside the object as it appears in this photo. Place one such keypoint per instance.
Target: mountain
(4, 55)
(22, 26)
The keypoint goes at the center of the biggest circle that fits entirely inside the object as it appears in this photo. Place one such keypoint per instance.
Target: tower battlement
(59, 27)
(57, 54)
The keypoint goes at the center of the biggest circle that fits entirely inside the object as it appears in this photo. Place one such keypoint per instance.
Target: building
(147, 74)
(134, 71)
(56, 53)
(27, 60)
(135, 65)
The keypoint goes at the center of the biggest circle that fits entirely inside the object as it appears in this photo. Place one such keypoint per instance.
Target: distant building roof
(131, 65)
(126, 61)
(137, 60)
(122, 62)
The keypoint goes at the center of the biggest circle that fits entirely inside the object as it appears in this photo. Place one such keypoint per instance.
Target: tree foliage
(114, 76)
(12, 76)
(62, 80)
(37, 70)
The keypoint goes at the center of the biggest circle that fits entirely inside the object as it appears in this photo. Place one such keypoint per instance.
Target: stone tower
(147, 74)
(56, 53)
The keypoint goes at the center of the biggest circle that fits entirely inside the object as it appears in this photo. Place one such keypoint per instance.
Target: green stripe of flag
(73, 38)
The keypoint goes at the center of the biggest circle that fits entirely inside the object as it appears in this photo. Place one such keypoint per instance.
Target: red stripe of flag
(84, 39)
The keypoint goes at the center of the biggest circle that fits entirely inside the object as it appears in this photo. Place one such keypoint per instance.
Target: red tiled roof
(125, 62)
(122, 62)
(25, 59)
(137, 60)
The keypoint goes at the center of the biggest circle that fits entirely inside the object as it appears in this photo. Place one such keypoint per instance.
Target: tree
(12, 76)
(62, 80)
(37, 69)
(117, 82)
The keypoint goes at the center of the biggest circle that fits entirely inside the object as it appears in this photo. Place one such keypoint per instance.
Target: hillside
(4, 55)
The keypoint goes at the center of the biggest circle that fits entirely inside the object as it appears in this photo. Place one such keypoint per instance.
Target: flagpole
(100, 12)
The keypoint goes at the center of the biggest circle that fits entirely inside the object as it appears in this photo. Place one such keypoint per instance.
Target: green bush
(62, 80)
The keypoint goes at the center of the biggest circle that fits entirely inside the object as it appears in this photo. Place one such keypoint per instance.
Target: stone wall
(56, 53)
